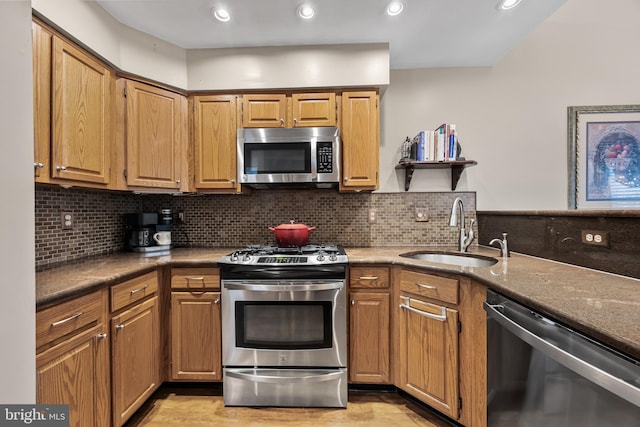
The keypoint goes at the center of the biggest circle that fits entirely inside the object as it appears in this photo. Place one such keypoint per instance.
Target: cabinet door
(81, 116)
(196, 336)
(264, 111)
(135, 358)
(313, 109)
(76, 372)
(369, 338)
(215, 143)
(41, 102)
(429, 355)
(360, 149)
(156, 123)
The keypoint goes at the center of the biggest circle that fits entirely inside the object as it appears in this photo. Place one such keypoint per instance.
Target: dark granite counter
(603, 305)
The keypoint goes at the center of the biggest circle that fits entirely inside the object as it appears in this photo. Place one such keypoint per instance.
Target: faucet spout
(457, 209)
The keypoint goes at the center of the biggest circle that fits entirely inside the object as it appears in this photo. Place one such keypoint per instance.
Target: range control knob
(333, 257)
(234, 257)
(320, 256)
(246, 258)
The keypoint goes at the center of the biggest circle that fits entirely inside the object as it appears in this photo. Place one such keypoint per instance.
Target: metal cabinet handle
(102, 336)
(135, 291)
(353, 302)
(194, 278)
(38, 165)
(282, 122)
(217, 301)
(61, 168)
(345, 179)
(295, 122)
(233, 181)
(426, 286)
(68, 319)
(120, 326)
(442, 316)
(369, 277)
(177, 181)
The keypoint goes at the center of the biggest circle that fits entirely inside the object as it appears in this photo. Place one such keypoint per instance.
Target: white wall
(17, 253)
(512, 118)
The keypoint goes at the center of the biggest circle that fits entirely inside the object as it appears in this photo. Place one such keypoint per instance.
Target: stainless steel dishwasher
(541, 373)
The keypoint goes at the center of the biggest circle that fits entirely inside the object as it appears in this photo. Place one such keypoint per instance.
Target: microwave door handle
(314, 158)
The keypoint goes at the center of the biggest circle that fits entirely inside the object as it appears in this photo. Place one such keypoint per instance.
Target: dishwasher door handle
(591, 372)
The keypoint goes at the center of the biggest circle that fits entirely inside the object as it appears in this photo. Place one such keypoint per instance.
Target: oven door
(295, 323)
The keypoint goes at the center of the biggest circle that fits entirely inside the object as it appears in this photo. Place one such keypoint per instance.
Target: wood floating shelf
(456, 166)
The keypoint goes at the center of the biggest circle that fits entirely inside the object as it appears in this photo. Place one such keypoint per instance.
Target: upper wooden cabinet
(313, 109)
(73, 113)
(155, 135)
(360, 133)
(81, 115)
(42, 39)
(214, 135)
(282, 110)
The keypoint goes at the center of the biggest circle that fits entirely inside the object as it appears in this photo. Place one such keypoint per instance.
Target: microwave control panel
(325, 157)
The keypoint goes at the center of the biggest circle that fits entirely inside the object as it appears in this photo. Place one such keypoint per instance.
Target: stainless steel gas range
(284, 331)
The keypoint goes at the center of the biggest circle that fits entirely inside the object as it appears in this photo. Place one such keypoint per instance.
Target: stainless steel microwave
(305, 156)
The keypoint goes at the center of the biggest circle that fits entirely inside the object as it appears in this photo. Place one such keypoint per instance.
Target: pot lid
(293, 226)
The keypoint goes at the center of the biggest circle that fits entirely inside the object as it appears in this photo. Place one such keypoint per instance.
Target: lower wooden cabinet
(196, 336)
(428, 354)
(74, 369)
(369, 338)
(135, 357)
(369, 325)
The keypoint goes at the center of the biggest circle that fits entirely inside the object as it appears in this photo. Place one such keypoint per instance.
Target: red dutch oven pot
(288, 235)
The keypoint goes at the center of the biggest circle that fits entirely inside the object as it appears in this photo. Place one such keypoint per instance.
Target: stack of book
(440, 145)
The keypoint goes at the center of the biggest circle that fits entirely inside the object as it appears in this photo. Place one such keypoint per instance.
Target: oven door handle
(558, 351)
(285, 379)
(303, 287)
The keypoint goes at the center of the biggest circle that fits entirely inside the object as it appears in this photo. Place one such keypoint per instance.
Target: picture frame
(604, 157)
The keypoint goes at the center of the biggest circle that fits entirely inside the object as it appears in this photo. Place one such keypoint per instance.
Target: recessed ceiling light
(508, 4)
(306, 11)
(395, 7)
(221, 15)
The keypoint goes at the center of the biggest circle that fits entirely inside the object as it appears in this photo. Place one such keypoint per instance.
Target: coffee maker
(142, 229)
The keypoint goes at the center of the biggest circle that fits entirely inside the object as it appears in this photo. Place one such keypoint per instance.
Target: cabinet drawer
(133, 290)
(195, 278)
(369, 277)
(427, 285)
(62, 319)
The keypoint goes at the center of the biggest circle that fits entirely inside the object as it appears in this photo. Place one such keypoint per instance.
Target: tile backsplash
(237, 220)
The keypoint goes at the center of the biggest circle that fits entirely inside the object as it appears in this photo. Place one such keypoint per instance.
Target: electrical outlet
(595, 237)
(422, 214)
(66, 220)
(373, 216)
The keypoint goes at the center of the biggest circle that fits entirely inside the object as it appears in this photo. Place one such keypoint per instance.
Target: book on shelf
(447, 142)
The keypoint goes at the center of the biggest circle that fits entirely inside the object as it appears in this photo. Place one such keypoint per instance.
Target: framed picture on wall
(604, 157)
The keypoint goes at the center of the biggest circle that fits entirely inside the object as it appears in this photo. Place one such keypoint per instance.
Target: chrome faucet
(504, 249)
(465, 239)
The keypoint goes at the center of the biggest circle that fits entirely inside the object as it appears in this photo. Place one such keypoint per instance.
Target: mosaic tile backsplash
(238, 220)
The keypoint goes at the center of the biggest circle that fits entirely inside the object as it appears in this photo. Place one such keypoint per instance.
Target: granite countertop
(603, 305)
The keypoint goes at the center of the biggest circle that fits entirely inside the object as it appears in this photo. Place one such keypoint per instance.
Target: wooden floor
(172, 407)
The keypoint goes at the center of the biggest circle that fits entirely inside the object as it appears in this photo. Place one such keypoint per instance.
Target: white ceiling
(429, 33)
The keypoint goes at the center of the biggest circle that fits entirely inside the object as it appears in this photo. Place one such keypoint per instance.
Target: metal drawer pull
(120, 326)
(135, 291)
(369, 277)
(102, 336)
(38, 165)
(194, 278)
(68, 319)
(217, 301)
(442, 316)
(61, 168)
(426, 286)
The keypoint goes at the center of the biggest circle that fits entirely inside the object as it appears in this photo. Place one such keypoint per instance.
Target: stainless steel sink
(452, 258)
